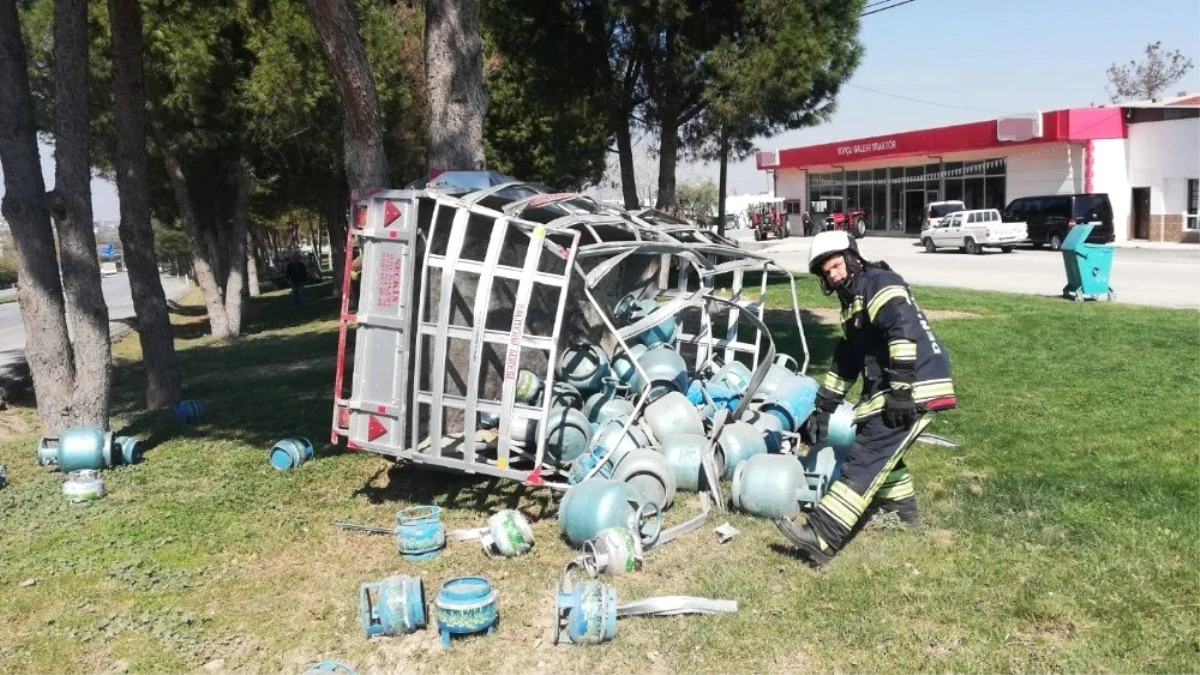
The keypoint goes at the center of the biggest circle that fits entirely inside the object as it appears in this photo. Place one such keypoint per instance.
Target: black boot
(905, 508)
(805, 540)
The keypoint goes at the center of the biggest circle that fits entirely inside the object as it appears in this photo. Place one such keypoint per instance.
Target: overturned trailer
(471, 284)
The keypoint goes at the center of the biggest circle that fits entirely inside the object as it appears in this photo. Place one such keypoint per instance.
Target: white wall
(1045, 170)
(1110, 175)
(1162, 156)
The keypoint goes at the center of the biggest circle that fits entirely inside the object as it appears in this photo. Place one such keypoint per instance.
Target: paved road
(120, 306)
(1161, 275)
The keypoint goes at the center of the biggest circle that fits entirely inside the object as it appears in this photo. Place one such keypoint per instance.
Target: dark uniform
(887, 341)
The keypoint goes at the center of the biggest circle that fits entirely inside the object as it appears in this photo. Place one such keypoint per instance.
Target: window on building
(1192, 220)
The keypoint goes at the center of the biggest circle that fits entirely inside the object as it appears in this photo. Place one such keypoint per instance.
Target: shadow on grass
(417, 484)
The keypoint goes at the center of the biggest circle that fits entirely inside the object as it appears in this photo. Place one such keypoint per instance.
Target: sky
(969, 60)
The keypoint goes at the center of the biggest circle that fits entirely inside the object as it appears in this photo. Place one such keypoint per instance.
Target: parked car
(1048, 218)
(972, 231)
(852, 219)
(935, 211)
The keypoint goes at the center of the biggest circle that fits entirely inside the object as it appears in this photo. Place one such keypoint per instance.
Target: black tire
(1056, 242)
(1006, 249)
(860, 228)
(928, 243)
(758, 234)
(973, 248)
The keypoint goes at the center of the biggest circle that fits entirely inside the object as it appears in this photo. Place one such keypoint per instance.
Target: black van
(1049, 217)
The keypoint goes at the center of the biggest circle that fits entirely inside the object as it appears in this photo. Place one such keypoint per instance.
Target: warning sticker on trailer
(513, 357)
(388, 288)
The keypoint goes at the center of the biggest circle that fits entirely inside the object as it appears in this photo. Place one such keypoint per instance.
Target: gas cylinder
(464, 606)
(739, 441)
(842, 427)
(610, 402)
(630, 311)
(769, 425)
(684, 452)
(569, 435)
(623, 368)
(84, 485)
(665, 368)
(769, 486)
(529, 387)
(508, 534)
(777, 373)
(565, 395)
(585, 612)
(79, 448)
(420, 534)
(792, 402)
(650, 475)
(600, 503)
(290, 453)
(670, 415)
(583, 366)
(189, 411)
(614, 551)
(392, 606)
(735, 375)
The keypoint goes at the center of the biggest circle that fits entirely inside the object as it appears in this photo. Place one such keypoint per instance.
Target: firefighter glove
(899, 409)
(816, 428)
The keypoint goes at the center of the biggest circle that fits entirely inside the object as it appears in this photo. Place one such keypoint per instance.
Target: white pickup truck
(973, 231)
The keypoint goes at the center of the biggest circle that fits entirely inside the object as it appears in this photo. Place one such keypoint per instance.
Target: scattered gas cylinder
(792, 402)
(842, 427)
(565, 395)
(420, 534)
(769, 486)
(665, 368)
(590, 460)
(769, 425)
(630, 311)
(464, 606)
(129, 448)
(597, 504)
(611, 442)
(650, 475)
(711, 397)
(84, 485)
(569, 435)
(684, 452)
(529, 387)
(777, 374)
(585, 613)
(329, 666)
(522, 429)
(626, 371)
(672, 414)
(739, 441)
(79, 448)
(822, 466)
(610, 402)
(393, 606)
(734, 375)
(583, 366)
(290, 453)
(189, 411)
(508, 534)
(614, 551)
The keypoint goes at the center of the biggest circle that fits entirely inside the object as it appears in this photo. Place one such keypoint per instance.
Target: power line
(883, 9)
(920, 100)
(869, 5)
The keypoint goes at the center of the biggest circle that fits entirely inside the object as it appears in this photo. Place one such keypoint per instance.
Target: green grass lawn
(1062, 535)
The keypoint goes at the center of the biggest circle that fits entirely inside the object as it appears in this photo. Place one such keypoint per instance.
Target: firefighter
(905, 372)
(355, 277)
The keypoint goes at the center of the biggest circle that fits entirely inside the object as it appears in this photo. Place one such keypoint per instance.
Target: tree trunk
(71, 206)
(668, 156)
(458, 102)
(335, 226)
(252, 265)
(137, 236)
(202, 261)
(237, 250)
(722, 180)
(362, 132)
(47, 348)
(625, 158)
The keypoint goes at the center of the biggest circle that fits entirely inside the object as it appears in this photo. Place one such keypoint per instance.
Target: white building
(1145, 156)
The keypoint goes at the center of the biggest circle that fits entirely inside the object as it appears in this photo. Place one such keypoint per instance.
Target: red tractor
(769, 219)
(853, 220)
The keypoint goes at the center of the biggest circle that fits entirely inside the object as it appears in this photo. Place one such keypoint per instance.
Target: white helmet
(828, 243)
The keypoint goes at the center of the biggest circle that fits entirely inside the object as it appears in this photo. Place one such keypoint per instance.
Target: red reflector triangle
(375, 429)
(390, 213)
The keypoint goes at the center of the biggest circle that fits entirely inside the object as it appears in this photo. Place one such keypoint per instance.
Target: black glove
(816, 428)
(899, 409)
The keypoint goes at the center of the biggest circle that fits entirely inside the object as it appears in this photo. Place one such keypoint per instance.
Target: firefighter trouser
(873, 470)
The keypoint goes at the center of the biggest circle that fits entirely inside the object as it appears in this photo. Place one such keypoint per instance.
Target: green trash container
(1088, 266)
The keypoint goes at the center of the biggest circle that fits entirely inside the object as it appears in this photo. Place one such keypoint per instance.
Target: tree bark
(625, 158)
(362, 132)
(252, 265)
(137, 236)
(202, 254)
(43, 310)
(71, 207)
(237, 250)
(458, 102)
(668, 156)
(334, 216)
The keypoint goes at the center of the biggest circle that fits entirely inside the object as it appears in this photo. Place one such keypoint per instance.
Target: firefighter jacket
(887, 340)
